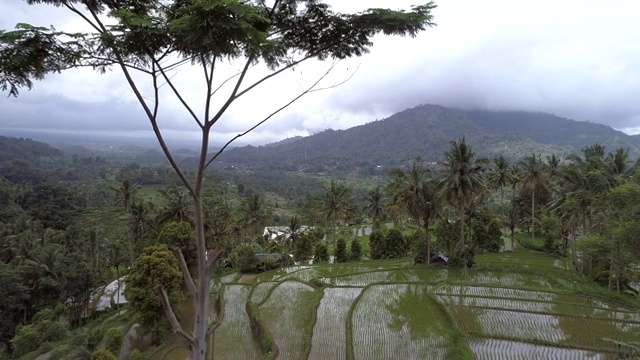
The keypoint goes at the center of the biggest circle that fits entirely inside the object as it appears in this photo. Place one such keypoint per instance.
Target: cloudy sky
(576, 59)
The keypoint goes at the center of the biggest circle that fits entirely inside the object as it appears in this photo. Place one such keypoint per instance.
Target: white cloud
(576, 59)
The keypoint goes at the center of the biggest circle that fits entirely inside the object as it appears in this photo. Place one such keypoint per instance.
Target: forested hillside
(426, 131)
(24, 149)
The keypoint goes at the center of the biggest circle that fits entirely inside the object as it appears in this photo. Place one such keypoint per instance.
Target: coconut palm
(337, 203)
(375, 205)
(125, 193)
(177, 206)
(293, 230)
(500, 176)
(533, 178)
(462, 178)
(254, 213)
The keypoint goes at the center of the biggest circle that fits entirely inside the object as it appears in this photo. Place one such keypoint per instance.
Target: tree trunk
(533, 215)
(203, 295)
(513, 235)
(611, 272)
(461, 224)
(334, 231)
(575, 255)
(428, 239)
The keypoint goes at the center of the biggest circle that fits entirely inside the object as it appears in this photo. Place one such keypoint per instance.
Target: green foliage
(303, 248)
(321, 253)
(114, 340)
(421, 252)
(243, 258)
(341, 254)
(46, 327)
(395, 244)
(182, 236)
(447, 236)
(487, 235)
(156, 268)
(137, 355)
(551, 230)
(356, 250)
(377, 244)
(103, 355)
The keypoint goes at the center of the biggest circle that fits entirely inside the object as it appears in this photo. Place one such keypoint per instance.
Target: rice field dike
(513, 305)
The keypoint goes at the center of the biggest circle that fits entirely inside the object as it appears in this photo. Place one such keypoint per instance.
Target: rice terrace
(517, 304)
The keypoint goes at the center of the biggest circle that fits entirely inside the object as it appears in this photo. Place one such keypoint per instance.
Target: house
(275, 232)
(440, 259)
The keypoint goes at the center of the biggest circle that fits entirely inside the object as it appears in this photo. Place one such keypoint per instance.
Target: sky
(576, 59)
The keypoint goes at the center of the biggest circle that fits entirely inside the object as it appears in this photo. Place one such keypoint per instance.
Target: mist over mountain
(426, 131)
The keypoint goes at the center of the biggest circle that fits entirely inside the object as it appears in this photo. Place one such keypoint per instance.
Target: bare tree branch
(144, 105)
(171, 316)
(308, 90)
(231, 98)
(79, 13)
(188, 280)
(177, 94)
(212, 258)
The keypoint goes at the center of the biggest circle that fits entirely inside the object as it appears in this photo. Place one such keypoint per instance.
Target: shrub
(103, 355)
(341, 255)
(377, 244)
(243, 258)
(356, 250)
(487, 235)
(156, 267)
(420, 249)
(303, 248)
(182, 236)
(114, 340)
(136, 355)
(396, 246)
(551, 232)
(447, 236)
(321, 253)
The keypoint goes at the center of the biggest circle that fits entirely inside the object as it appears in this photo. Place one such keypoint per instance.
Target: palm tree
(463, 178)
(293, 230)
(428, 208)
(533, 178)
(375, 205)
(177, 205)
(125, 193)
(500, 176)
(254, 213)
(337, 203)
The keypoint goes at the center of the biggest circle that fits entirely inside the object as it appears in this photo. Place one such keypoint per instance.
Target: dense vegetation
(425, 130)
(61, 239)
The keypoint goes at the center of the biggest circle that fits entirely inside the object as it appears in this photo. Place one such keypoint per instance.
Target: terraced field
(514, 306)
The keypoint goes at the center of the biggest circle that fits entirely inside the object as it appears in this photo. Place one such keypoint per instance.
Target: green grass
(518, 304)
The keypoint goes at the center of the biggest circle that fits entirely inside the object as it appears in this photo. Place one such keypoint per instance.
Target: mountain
(25, 149)
(427, 131)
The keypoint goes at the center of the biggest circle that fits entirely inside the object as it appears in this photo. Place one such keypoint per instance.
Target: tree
(375, 205)
(293, 230)
(533, 178)
(180, 235)
(303, 248)
(356, 250)
(341, 254)
(154, 39)
(321, 253)
(176, 205)
(254, 213)
(500, 176)
(337, 203)
(377, 244)
(156, 270)
(125, 193)
(462, 179)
